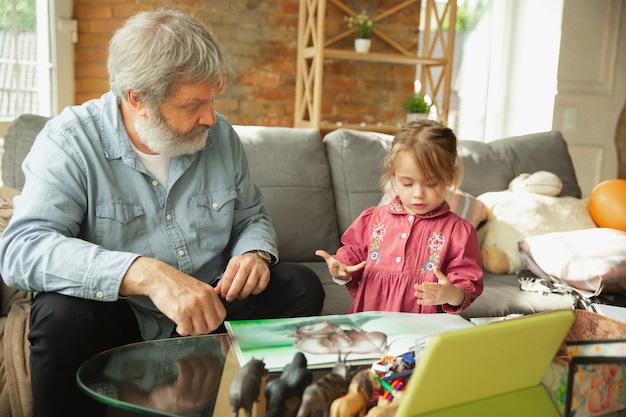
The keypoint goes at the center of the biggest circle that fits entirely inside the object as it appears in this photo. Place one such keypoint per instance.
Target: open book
(364, 337)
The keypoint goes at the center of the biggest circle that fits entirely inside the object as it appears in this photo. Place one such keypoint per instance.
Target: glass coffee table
(183, 376)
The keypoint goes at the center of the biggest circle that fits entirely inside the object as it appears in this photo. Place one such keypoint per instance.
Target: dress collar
(396, 207)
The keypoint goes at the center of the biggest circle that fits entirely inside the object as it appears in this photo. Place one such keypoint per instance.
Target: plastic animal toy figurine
(360, 392)
(291, 384)
(318, 396)
(246, 387)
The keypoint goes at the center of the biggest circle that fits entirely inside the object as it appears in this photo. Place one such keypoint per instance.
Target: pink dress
(401, 250)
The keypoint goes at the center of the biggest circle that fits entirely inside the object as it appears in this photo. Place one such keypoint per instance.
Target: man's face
(180, 125)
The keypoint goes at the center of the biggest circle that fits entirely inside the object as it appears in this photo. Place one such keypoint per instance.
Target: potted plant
(363, 26)
(417, 106)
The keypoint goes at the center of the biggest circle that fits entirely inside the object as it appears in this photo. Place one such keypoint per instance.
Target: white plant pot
(362, 45)
(416, 116)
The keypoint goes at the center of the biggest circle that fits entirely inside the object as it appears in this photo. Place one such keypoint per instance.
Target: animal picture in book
(289, 387)
(326, 337)
(247, 387)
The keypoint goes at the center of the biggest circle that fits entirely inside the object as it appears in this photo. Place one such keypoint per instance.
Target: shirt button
(403, 235)
(168, 217)
(100, 294)
(411, 218)
(398, 259)
(155, 183)
(214, 205)
(181, 252)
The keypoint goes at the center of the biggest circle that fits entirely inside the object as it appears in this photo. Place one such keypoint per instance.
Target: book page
(363, 337)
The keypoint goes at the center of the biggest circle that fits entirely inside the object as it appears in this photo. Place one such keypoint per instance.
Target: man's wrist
(263, 255)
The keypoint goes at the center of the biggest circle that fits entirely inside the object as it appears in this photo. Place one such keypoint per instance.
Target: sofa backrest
(491, 166)
(355, 159)
(315, 189)
(290, 167)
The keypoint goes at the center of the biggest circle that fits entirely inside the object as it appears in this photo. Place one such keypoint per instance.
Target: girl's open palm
(440, 292)
(337, 269)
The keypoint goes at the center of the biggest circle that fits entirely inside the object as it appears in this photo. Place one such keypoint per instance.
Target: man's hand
(245, 274)
(337, 269)
(437, 293)
(193, 305)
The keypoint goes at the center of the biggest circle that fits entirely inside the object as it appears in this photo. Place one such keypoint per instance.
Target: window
(505, 67)
(36, 58)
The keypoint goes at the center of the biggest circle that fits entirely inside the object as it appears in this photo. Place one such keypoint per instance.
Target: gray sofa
(315, 188)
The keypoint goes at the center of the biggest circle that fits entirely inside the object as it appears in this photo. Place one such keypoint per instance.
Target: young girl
(412, 254)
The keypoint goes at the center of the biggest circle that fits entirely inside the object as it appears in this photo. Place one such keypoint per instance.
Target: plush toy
(530, 207)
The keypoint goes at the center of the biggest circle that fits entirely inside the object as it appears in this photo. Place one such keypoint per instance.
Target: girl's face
(418, 194)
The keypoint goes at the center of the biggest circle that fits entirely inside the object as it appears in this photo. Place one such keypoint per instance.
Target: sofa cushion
(492, 166)
(18, 140)
(590, 260)
(289, 165)
(355, 160)
(467, 206)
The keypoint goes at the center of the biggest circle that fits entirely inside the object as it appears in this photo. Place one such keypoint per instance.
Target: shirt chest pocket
(213, 217)
(120, 225)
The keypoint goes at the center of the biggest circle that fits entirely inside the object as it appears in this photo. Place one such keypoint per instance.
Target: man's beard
(159, 137)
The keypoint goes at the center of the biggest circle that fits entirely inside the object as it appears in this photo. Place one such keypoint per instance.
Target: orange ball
(607, 204)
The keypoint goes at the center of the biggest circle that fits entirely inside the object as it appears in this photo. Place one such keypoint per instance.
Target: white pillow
(589, 260)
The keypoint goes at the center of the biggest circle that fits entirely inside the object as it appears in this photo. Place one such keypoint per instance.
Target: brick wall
(260, 41)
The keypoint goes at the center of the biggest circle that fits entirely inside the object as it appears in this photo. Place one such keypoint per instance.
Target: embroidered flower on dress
(434, 244)
(378, 232)
(396, 207)
(429, 266)
(377, 236)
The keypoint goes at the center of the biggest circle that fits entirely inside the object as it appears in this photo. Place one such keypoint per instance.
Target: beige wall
(592, 85)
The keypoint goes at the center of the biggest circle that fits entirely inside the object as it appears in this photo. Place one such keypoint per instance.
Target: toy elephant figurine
(246, 387)
(291, 384)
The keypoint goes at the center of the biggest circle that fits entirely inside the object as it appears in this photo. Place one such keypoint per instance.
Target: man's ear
(134, 99)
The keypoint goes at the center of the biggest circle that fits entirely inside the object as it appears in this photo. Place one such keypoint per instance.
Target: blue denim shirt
(89, 208)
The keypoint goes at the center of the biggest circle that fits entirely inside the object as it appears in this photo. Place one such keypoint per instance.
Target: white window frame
(56, 35)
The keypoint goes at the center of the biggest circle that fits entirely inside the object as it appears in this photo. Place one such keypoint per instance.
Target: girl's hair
(155, 52)
(433, 148)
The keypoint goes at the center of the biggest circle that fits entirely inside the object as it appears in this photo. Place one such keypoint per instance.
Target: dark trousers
(66, 331)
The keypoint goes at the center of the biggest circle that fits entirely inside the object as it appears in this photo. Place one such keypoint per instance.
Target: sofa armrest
(17, 142)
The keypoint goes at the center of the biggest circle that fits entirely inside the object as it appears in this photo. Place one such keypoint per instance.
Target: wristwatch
(266, 256)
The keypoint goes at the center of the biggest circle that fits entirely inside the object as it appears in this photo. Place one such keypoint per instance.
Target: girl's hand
(337, 269)
(437, 293)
